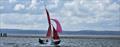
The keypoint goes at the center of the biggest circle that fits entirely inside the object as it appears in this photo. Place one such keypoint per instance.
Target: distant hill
(83, 32)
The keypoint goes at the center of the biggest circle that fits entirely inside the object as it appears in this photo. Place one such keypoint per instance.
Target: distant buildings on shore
(3, 34)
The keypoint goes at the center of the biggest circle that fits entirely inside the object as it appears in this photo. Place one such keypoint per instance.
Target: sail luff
(48, 17)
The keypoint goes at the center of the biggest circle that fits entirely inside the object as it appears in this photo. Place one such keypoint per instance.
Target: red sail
(58, 26)
(55, 34)
(49, 22)
(49, 32)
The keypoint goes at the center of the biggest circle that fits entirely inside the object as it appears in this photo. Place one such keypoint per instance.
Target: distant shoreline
(69, 36)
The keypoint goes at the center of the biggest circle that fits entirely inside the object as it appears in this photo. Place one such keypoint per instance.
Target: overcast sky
(74, 15)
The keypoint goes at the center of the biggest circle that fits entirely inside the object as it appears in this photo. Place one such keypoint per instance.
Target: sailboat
(52, 36)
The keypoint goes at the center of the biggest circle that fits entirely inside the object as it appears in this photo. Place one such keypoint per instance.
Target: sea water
(65, 42)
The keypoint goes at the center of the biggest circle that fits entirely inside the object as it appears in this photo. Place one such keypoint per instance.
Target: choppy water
(71, 42)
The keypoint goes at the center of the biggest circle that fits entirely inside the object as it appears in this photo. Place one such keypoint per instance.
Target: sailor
(41, 41)
(0, 34)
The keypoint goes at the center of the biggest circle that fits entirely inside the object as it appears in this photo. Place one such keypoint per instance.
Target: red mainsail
(49, 22)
